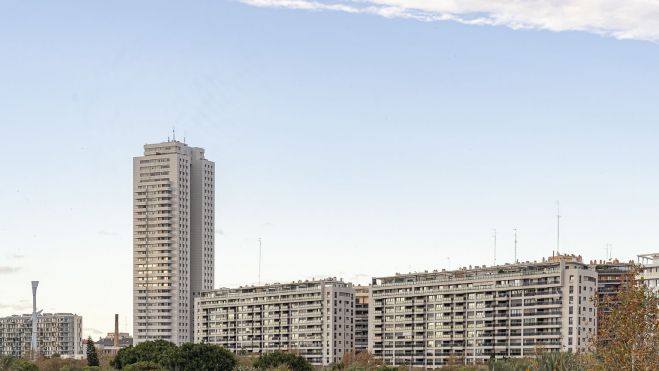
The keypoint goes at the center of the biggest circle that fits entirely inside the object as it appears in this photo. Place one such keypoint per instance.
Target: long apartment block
(56, 333)
(471, 314)
(314, 318)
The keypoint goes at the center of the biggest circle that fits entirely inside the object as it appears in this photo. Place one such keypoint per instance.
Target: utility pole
(259, 261)
(495, 246)
(558, 227)
(515, 230)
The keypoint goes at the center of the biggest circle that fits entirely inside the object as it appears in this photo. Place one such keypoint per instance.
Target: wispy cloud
(107, 233)
(628, 19)
(21, 306)
(9, 270)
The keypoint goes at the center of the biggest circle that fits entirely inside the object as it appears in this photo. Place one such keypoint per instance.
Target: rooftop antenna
(515, 230)
(495, 246)
(174, 133)
(608, 250)
(448, 258)
(558, 227)
(259, 261)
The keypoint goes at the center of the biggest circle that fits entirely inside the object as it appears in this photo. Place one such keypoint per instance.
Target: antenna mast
(558, 227)
(515, 230)
(495, 246)
(259, 261)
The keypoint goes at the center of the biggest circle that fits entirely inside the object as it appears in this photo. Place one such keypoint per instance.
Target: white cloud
(627, 19)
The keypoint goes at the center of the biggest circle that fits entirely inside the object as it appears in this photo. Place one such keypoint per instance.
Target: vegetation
(628, 336)
(60, 364)
(16, 364)
(151, 351)
(144, 366)
(291, 361)
(157, 355)
(92, 356)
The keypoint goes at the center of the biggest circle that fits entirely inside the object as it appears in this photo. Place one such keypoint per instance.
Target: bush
(159, 351)
(16, 364)
(163, 354)
(144, 366)
(201, 357)
(275, 359)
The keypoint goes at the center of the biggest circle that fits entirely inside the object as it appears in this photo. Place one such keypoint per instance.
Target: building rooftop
(274, 287)
(477, 272)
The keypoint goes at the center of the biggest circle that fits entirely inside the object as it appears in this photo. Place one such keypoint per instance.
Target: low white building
(56, 333)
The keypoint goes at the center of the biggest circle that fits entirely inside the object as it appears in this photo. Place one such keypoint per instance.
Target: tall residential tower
(173, 239)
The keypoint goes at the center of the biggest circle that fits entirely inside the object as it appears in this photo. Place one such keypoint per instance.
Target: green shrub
(276, 359)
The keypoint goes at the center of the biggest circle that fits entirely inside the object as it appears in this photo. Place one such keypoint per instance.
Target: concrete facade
(313, 318)
(650, 270)
(471, 314)
(173, 239)
(56, 333)
(362, 294)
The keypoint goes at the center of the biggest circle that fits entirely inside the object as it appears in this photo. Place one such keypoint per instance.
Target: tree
(92, 356)
(16, 364)
(628, 336)
(201, 357)
(275, 359)
(158, 351)
(163, 354)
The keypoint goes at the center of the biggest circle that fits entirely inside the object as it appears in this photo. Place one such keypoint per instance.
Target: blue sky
(353, 144)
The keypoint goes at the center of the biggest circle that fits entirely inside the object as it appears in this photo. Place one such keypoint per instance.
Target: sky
(356, 138)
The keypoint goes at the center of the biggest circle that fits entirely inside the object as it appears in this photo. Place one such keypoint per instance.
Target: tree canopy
(151, 355)
(628, 334)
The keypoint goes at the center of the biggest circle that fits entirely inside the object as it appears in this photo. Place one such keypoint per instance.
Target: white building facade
(650, 270)
(173, 239)
(472, 314)
(56, 333)
(313, 318)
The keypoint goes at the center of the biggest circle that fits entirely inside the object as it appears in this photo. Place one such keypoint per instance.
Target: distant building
(650, 270)
(313, 318)
(361, 318)
(57, 333)
(173, 238)
(107, 345)
(114, 341)
(472, 314)
(611, 275)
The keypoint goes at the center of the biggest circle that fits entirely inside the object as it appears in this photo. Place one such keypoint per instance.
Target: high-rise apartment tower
(173, 239)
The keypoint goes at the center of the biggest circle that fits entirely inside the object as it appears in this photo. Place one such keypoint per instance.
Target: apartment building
(611, 275)
(314, 318)
(173, 239)
(650, 270)
(56, 333)
(361, 318)
(471, 314)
